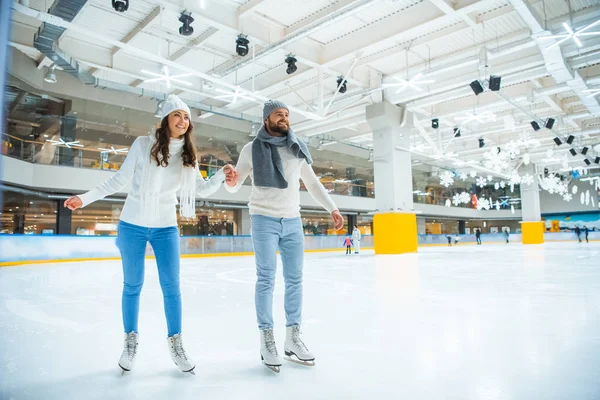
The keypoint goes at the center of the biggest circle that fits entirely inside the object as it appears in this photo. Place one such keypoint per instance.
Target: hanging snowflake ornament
(512, 209)
(483, 203)
(473, 174)
(582, 198)
(481, 182)
(465, 198)
(448, 203)
(515, 179)
(497, 205)
(496, 186)
(567, 197)
(464, 176)
(502, 184)
(527, 179)
(574, 189)
(587, 197)
(446, 178)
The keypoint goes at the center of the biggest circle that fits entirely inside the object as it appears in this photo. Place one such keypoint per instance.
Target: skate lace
(270, 342)
(179, 348)
(131, 346)
(297, 341)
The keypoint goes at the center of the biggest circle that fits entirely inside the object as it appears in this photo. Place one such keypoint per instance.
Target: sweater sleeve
(316, 188)
(243, 168)
(207, 187)
(120, 179)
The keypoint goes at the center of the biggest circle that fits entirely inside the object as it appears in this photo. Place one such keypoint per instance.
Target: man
(587, 232)
(275, 160)
(578, 233)
(356, 236)
(478, 235)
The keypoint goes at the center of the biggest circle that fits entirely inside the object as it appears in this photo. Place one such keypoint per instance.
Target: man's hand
(231, 176)
(338, 220)
(73, 203)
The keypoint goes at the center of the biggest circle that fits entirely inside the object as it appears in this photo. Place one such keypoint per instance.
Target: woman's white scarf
(150, 188)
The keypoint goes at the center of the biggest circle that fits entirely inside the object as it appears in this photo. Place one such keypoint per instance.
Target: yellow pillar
(533, 232)
(395, 233)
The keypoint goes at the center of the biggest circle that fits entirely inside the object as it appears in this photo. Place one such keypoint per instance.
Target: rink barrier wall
(34, 249)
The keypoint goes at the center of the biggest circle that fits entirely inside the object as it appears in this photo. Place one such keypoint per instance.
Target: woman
(157, 166)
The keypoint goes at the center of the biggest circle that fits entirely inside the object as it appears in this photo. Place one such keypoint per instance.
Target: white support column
(393, 169)
(532, 226)
(395, 224)
(530, 196)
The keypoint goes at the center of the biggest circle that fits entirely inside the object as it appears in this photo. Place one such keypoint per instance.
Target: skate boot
(130, 347)
(182, 360)
(295, 349)
(268, 350)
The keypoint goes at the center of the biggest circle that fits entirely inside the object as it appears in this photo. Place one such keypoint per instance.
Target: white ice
(468, 322)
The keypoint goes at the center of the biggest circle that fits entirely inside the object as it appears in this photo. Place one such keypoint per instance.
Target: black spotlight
(587, 162)
(186, 19)
(477, 87)
(535, 126)
(241, 45)
(584, 150)
(550, 123)
(291, 62)
(435, 123)
(557, 141)
(495, 83)
(570, 139)
(120, 6)
(341, 87)
(456, 132)
(546, 171)
(597, 160)
(481, 142)
(573, 152)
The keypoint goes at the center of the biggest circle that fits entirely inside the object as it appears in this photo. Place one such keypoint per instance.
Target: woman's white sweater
(168, 181)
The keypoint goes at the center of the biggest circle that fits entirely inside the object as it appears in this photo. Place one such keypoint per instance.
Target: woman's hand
(73, 203)
(231, 176)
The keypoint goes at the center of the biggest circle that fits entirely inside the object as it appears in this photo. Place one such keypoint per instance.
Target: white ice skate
(178, 355)
(268, 350)
(295, 349)
(130, 347)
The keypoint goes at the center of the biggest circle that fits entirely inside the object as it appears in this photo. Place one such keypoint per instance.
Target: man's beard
(274, 127)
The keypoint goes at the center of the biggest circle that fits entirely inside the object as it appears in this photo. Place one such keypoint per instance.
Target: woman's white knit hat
(171, 104)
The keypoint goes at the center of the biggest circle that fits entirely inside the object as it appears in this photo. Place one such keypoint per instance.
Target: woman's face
(179, 122)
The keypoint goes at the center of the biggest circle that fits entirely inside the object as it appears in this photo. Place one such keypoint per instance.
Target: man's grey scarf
(266, 162)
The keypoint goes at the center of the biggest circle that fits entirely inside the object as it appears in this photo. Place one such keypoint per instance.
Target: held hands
(231, 176)
(338, 220)
(73, 203)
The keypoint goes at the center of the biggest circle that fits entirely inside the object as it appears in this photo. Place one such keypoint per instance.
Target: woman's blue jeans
(131, 241)
(268, 235)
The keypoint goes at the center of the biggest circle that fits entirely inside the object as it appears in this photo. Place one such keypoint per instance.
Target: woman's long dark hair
(163, 136)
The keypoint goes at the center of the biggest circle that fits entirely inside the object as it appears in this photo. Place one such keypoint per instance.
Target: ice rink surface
(468, 322)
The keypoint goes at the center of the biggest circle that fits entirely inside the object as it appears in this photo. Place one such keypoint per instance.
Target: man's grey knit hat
(271, 106)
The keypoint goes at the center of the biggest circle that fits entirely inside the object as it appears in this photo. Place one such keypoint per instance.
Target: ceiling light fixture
(241, 45)
(572, 34)
(483, 117)
(62, 142)
(50, 76)
(120, 6)
(291, 62)
(113, 150)
(166, 76)
(233, 97)
(413, 83)
(341, 84)
(186, 19)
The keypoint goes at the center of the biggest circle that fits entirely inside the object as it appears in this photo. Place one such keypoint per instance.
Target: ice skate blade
(123, 370)
(274, 368)
(289, 356)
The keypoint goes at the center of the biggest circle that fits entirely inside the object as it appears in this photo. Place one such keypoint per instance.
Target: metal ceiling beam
(248, 8)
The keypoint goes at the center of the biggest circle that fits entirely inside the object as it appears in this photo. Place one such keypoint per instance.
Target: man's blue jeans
(269, 234)
(131, 241)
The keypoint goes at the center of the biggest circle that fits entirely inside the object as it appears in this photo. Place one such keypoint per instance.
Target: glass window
(27, 214)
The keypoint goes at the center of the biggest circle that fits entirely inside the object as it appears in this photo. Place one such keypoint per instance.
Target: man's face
(278, 121)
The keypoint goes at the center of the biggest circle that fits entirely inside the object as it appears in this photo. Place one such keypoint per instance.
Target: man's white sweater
(281, 203)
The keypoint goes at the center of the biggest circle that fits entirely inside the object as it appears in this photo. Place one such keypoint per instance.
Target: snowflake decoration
(512, 209)
(496, 186)
(481, 182)
(515, 179)
(567, 197)
(502, 184)
(497, 205)
(527, 179)
(494, 160)
(446, 178)
(461, 198)
(582, 198)
(464, 176)
(587, 197)
(574, 189)
(473, 174)
(448, 203)
(484, 204)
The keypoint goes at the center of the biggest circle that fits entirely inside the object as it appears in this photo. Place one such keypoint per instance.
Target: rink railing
(24, 249)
